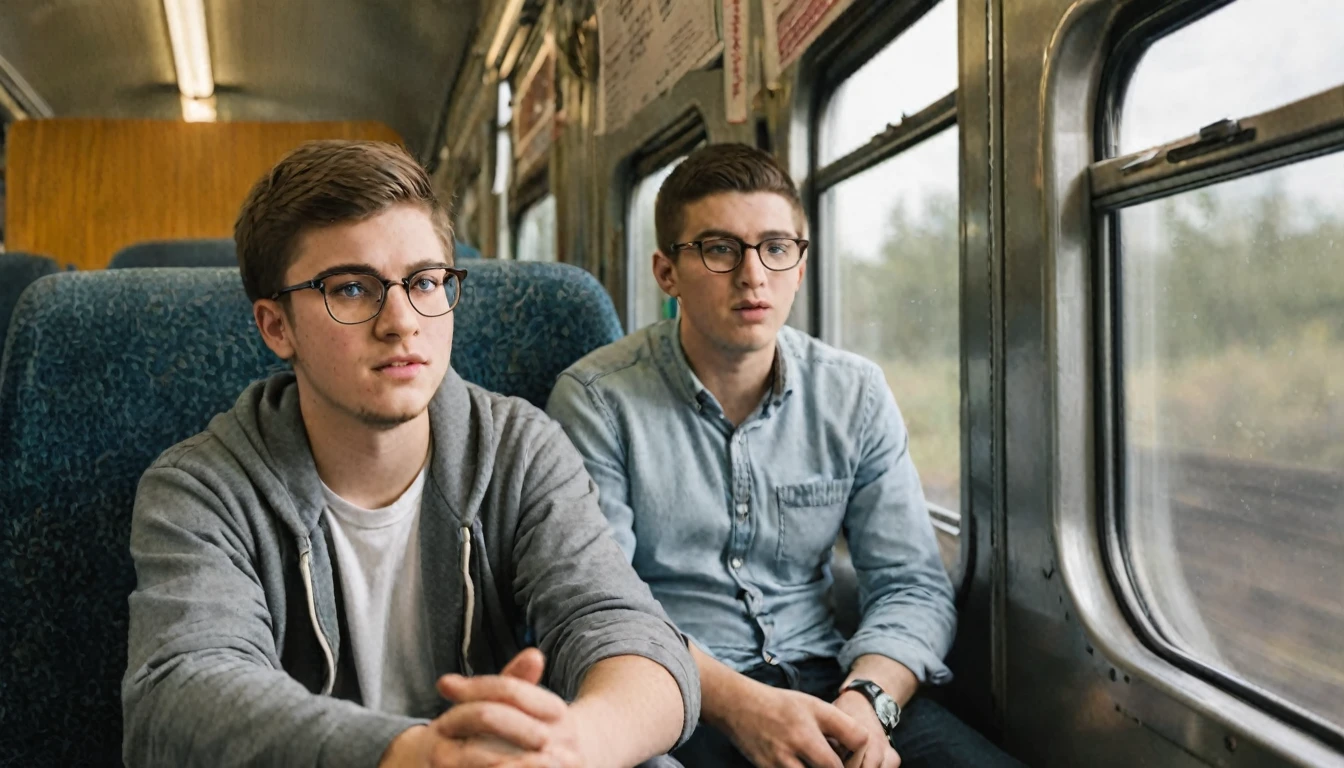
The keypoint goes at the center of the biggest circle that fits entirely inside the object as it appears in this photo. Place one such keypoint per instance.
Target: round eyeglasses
(724, 254)
(357, 297)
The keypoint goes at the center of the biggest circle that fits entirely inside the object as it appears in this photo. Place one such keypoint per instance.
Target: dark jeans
(928, 736)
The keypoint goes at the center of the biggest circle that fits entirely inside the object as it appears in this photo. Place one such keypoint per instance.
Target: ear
(665, 272)
(802, 271)
(274, 324)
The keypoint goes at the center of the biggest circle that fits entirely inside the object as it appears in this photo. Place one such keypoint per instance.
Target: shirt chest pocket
(810, 516)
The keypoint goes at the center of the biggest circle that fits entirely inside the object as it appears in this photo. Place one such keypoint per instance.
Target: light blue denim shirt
(732, 528)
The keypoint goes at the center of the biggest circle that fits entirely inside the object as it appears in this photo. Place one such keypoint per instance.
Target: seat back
(217, 252)
(463, 251)
(110, 368)
(521, 323)
(17, 272)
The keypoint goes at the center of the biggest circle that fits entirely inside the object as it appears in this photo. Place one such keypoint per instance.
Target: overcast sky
(1246, 58)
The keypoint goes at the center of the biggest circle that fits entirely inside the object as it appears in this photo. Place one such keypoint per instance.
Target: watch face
(886, 711)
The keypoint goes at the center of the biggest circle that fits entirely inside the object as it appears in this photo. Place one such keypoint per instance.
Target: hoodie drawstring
(470, 611)
(306, 568)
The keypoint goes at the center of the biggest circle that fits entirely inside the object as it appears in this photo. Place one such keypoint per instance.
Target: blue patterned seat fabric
(110, 368)
(463, 251)
(217, 252)
(17, 272)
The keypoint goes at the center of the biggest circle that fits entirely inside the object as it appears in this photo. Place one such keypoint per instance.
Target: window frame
(869, 31)
(537, 190)
(677, 139)
(1296, 132)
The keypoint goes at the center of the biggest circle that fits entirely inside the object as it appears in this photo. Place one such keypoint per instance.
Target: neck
(738, 380)
(367, 466)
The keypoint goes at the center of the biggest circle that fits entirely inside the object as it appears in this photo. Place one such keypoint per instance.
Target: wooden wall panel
(79, 190)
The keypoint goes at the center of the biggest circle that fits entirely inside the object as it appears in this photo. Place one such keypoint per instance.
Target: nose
(751, 272)
(397, 318)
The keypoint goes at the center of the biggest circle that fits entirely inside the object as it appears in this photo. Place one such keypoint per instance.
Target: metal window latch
(1212, 137)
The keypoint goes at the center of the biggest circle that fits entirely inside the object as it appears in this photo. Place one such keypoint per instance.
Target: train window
(1219, 66)
(1225, 417)
(536, 231)
(648, 303)
(1233, 395)
(503, 170)
(889, 242)
(909, 74)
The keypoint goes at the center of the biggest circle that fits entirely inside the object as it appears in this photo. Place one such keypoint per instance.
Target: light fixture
(191, 49)
(199, 110)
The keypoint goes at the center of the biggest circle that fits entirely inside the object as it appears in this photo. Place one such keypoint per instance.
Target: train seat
(462, 251)
(17, 272)
(107, 369)
(214, 252)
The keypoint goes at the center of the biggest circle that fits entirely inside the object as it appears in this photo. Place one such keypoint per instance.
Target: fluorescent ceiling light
(191, 47)
(198, 110)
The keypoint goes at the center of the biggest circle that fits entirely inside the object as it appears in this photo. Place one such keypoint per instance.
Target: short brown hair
(320, 184)
(714, 169)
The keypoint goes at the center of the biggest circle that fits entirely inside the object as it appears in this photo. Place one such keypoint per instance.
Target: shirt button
(742, 510)
(736, 563)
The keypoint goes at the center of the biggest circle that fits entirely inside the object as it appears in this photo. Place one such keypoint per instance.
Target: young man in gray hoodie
(341, 570)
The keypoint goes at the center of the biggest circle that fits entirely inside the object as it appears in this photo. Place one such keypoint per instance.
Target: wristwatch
(888, 711)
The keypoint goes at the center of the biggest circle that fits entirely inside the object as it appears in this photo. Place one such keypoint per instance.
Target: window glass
(1245, 58)
(503, 171)
(648, 303)
(1233, 418)
(892, 234)
(536, 231)
(911, 73)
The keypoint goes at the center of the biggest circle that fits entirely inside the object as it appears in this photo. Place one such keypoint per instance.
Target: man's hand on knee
(787, 729)
(877, 751)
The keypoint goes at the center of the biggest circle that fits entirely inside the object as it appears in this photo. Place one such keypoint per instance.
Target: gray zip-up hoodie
(236, 623)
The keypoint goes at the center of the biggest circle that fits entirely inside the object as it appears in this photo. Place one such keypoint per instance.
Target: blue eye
(350, 291)
(426, 284)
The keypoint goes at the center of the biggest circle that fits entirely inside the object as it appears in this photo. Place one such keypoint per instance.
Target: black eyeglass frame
(319, 284)
(742, 254)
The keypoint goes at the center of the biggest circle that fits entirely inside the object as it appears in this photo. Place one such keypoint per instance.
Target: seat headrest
(17, 272)
(521, 323)
(218, 252)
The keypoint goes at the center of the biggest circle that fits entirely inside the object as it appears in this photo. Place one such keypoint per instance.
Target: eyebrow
(713, 233)
(355, 268)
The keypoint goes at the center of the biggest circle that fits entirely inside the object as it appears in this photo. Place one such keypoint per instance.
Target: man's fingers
(473, 753)
(840, 726)
(816, 753)
(485, 719)
(875, 753)
(527, 666)
(528, 697)
(892, 759)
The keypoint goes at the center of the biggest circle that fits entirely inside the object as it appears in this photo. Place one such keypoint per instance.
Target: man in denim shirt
(730, 452)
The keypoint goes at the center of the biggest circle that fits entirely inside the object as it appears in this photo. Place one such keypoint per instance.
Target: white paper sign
(798, 23)
(736, 44)
(647, 46)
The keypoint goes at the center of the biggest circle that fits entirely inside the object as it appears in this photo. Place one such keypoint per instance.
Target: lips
(402, 361)
(750, 305)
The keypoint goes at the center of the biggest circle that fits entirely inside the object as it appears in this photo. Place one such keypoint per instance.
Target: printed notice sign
(736, 42)
(797, 24)
(646, 47)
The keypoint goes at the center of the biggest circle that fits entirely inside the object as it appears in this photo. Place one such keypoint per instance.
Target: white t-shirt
(378, 556)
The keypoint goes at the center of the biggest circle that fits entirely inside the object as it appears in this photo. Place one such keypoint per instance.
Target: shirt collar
(672, 358)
